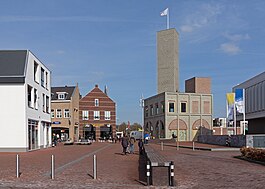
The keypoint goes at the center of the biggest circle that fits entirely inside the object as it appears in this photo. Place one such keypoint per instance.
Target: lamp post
(142, 106)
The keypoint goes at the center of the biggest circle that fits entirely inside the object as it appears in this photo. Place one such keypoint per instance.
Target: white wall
(12, 116)
(32, 113)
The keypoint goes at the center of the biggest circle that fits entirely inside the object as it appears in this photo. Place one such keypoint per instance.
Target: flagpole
(168, 19)
(244, 113)
(234, 116)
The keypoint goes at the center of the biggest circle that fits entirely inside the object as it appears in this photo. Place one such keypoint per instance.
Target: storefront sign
(56, 122)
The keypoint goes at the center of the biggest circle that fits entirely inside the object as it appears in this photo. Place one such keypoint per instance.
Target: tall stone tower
(167, 61)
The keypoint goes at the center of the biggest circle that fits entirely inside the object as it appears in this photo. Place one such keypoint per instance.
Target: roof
(67, 89)
(12, 66)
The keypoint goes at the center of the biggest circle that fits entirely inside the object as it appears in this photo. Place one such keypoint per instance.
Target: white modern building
(25, 94)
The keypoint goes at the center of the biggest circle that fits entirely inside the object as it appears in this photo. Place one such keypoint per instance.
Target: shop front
(61, 133)
(89, 132)
(106, 132)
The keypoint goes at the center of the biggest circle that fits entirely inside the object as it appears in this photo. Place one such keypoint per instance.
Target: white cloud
(186, 28)
(230, 48)
(236, 37)
(204, 16)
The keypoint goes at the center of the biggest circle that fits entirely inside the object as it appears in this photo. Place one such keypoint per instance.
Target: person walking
(132, 141)
(54, 139)
(124, 144)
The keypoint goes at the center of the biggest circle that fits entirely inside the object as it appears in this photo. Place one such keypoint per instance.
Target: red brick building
(97, 115)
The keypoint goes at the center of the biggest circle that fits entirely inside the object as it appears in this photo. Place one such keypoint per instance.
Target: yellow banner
(230, 97)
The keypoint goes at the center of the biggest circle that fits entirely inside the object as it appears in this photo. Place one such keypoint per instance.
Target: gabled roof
(97, 93)
(69, 90)
(13, 66)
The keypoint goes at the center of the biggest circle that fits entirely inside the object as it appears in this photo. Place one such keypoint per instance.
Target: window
(151, 110)
(47, 104)
(66, 113)
(36, 72)
(171, 107)
(29, 96)
(107, 115)
(157, 110)
(146, 111)
(61, 96)
(35, 99)
(42, 77)
(43, 102)
(96, 115)
(163, 106)
(85, 115)
(46, 80)
(96, 102)
(52, 113)
(183, 106)
(59, 113)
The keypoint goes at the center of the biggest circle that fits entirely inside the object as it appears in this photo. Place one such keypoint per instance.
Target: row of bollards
(162, 146)
(18, 173)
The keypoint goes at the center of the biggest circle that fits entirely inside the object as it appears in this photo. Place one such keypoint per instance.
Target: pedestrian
(132, 141)
(124, 144)
(54, 140)
(228, 141)
(141, 146)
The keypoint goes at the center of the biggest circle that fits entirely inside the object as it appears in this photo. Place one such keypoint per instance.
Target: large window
(47, 104)
(35, 99)
(96, 115)
(43, 102)
(29, 96)
(66, 113)
(46, 80)
(163, 106)
(59, 113)
(42, 77)
(36, 75)
(151, 110)
(146, 111)
(85, 115)
(107, 115)
(157, 109)
(32, 134)
(171, 106)
(183, 107)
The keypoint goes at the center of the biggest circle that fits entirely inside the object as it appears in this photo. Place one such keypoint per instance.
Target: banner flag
(230, 97)
(239, 100)
(164, 12)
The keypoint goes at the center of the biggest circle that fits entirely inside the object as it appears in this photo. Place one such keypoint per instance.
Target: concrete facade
(66, 126)
(167, 61)
(25, 107)
(254, 103)
(187, 115)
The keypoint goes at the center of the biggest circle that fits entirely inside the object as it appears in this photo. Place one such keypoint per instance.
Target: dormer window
(62, 95)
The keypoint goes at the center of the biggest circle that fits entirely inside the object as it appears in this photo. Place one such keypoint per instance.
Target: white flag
(164, 12)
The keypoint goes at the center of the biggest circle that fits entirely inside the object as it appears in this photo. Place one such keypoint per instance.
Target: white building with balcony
(25, 98)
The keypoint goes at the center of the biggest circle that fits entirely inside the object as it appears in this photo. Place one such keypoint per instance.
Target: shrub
(253, 153)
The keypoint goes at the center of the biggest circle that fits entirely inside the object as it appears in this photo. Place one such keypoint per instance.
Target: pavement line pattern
(61, 168)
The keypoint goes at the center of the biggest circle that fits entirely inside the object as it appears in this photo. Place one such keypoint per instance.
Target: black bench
(159, 171)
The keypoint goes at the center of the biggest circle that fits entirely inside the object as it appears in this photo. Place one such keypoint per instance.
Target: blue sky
(113, 43)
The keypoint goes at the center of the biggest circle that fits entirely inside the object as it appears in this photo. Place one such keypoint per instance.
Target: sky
(113, 43)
